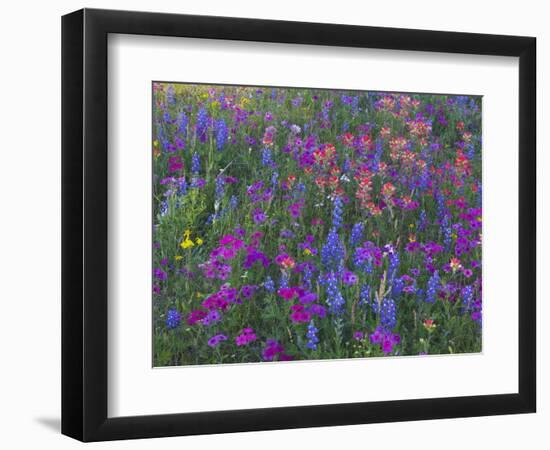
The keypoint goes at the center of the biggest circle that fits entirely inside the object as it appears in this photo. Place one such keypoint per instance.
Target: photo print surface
(314, 224)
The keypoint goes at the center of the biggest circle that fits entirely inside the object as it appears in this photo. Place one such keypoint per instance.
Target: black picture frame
(84, 224)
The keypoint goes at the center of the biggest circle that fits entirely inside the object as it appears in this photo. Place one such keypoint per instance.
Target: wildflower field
(307, 224)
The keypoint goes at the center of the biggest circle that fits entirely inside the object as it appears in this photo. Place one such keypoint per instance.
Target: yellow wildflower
(307, 251)
(199, 241)
(187, 243)
(178, 257)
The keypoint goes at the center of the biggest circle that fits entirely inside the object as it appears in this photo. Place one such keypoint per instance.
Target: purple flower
(213, 316)
(349, 278)
(307, 297)
(252, 256)
(272, 349)
(385, 339)
(258, 215)
(247, 291)
(246, 337)
(318, 310)
(198, 183)
(377, 336)
(296, 208)
(215, 340)
(387, 345)
(160, 274)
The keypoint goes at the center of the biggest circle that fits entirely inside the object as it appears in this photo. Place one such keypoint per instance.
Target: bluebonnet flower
(332, 253)
(312, 339)
(170, 95)
(424, 179)
(432, 288)
(233, 202)
(283, 281)
(269, 285)
(337, 213)
(397, 285)
(182, 124)
(173, 319)
(266, 157)
(163, 208)
(357, 234)
(195, 164)
(440, 203)
(220, 189)
(447, 233)
(393, 256)
(274, 178)
(308, 273)
(347, 165)
(182, 188)
(325, 113)
(212, 218)
(221, 134)
(377, 156)
(364, 295)
(422, 221)
(334, 299)
(470, 152)
(162, 137)
(355, 105)
(202, 125)
(467, 295)
(388, 318)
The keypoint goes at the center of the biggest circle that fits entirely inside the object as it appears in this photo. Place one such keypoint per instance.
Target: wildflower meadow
(310, 224)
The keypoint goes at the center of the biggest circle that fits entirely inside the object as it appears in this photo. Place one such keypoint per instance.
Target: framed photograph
(273, 225)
